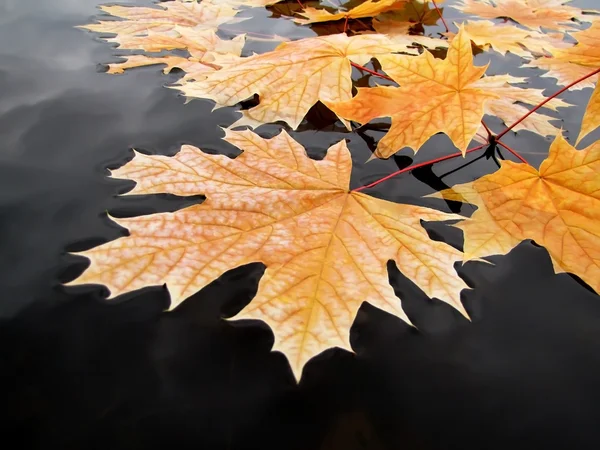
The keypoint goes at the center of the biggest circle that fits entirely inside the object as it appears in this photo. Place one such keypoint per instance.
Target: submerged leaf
(325, 248)
(412, 12)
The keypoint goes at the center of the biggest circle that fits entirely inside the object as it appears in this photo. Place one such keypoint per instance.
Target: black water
(80, 372)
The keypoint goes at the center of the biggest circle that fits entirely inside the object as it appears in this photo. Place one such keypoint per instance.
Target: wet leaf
(586, 55)
(558, 207)
(434, 96)
(509, 38)
(368, 8)
(508, 106)
(164, 17)
(173, 25)
(292, 78)
(533, 14)
(325, 248)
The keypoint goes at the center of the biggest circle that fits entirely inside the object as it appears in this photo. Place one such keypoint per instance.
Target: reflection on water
(83, 373)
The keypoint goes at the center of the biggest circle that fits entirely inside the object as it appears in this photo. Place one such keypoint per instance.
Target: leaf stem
(512, 151)
(416, 166)
(493, 138)
(440, 14)
(487, 129)
(539, 105)
(372, 72)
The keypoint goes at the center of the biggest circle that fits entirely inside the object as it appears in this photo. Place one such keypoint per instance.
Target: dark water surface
(80, 372)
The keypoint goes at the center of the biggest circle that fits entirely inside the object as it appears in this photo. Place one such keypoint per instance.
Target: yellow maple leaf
(509, 38)
(206, 52)
(369, 8)
(434, 96)
(533, 14)
(325, 248)
(569, 64)
(165, 17)
(558, 207)
(563, 71)
(175, 25)
(294, 76)
(508, 105)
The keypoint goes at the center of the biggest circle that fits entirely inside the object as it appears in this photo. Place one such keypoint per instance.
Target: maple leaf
(165, 17)
(434, 96)
(508, 108)
(509, 38)
(325, 248)
(207, 52)
(294, 76)
(176, 25)
(558, 207)
(569, 64)
(369, 8)
(533, 14)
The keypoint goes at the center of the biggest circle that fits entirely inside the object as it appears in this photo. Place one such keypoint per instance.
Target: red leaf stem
(539, 105)
(372, 72)
(495, 139)
(440, 14)
(512, 151)
(489, 132)
(416, 166)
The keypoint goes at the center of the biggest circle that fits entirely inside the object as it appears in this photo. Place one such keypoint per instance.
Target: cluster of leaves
(325, 247)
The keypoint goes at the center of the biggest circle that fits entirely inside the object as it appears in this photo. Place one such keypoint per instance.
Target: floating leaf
(508, 106)
(325, 248)
(164, 17)
(175, 25)
(434, 96)
(567, 65)
(533, 14)
(292, 78)
(558, 207)
(509, 38)
(369, 8)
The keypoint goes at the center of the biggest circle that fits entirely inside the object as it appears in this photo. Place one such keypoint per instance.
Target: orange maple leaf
(434, 96)
(325, 248)
(294, 76)
(558, 207)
